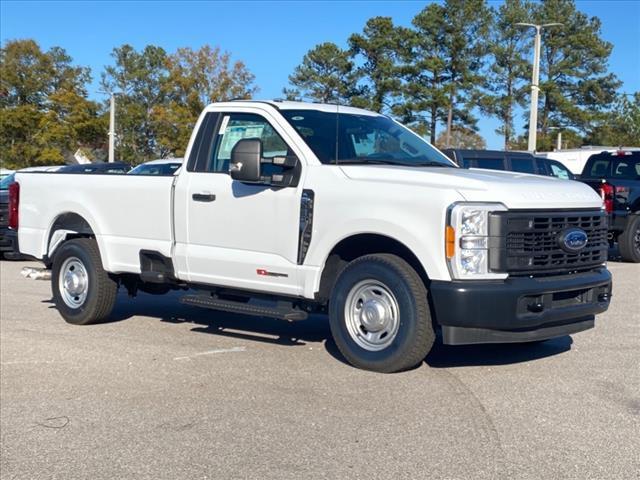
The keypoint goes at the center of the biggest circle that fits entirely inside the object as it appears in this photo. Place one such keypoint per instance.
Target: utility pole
(559, 141)
(535, 80)
(112, 127)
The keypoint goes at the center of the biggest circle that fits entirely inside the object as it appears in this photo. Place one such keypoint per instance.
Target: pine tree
(327, 74)
(507, 79)
(378, 46)
(576, 88)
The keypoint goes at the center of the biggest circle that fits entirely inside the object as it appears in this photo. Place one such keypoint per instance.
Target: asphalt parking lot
(167, 391)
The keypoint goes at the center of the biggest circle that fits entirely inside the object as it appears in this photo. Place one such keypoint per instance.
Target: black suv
(508, 160)
(616, 177)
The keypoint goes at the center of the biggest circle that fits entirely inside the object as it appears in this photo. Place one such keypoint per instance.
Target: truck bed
(127, 212)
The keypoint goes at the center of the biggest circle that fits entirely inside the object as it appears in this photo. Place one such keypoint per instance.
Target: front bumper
(519, 309)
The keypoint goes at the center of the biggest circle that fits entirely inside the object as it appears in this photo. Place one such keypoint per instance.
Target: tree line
(458, 59)
(46, 114)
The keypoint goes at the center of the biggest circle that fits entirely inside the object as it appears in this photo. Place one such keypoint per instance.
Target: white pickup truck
(284, 209)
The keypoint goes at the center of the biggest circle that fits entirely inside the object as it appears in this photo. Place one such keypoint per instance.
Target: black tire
(415, 334)
(629, 240)
(100, 296)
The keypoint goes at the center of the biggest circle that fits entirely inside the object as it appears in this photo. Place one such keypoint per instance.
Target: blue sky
(270, 37)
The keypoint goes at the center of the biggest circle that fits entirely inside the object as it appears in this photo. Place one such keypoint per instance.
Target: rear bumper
(9, 244)
(8, 240)
(618, 221)
(519, 309)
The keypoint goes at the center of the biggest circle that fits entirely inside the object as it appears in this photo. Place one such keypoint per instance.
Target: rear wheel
(83, 291)
(629, 240)
(379, 314)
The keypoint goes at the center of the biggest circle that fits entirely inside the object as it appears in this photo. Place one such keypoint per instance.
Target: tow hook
(536, 307)
(36, 273)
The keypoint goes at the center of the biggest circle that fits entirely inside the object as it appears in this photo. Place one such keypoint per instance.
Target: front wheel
(83, 291)
(379, 314)
(629, 240)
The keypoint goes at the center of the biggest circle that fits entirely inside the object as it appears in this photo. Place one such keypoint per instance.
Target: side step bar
(283, 310)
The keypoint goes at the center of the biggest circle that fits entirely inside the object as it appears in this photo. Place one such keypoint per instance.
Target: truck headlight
(467, 240)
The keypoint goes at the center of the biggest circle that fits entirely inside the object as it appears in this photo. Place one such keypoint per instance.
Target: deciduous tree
(45, 115)
(461, 137)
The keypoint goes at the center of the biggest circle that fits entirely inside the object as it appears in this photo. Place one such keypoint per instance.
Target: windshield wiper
(432, 164)
(380, 161)
(373, 161)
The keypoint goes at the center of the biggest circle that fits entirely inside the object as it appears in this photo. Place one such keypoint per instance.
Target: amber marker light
(450, 241)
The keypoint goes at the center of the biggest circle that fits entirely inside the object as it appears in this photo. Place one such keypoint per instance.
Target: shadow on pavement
(447, 356)
(315, 329)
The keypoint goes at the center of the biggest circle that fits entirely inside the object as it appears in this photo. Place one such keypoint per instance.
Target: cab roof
(290, 105)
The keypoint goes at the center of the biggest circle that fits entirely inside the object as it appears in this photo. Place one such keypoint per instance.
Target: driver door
(234, 234)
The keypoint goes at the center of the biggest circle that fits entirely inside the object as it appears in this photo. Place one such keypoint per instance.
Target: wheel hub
(73, 282)
(372, 315)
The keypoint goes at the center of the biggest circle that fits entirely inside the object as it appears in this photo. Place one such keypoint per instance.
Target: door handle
(203, 197)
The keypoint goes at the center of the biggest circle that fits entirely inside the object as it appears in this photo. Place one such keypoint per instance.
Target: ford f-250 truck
(283, 209)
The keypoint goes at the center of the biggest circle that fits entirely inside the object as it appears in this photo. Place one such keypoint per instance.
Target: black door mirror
(246, 165)
(246, 157)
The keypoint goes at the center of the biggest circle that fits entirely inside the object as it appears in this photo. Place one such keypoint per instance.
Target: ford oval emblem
(573, 240)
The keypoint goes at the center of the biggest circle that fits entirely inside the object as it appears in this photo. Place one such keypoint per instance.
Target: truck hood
(514, 190)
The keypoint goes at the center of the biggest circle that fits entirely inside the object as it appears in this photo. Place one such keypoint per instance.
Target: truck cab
(285, 209)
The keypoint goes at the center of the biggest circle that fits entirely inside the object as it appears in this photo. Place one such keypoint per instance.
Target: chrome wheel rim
(73, 282)
(636, 239)
(371, 315)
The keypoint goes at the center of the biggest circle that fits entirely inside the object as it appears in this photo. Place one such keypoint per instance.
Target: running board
(283, 310)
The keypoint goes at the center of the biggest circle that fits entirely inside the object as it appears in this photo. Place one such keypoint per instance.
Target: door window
(238, 126)
(523, 165)
(490, 163)
(600, 168)
(559, 171)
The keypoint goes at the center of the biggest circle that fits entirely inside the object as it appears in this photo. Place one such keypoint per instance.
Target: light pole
(535, 78)
(112, 124)
(112, 127)
(559, 137)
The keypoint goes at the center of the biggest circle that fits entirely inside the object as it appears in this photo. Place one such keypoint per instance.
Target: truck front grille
(530, 243)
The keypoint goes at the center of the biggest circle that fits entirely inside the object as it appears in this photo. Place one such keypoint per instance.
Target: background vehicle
(286, 208)
(556, 169)
(164, 166)
(576, 158)
(616, 177)
(5, 173)
(99, 167)
(521, 162)
(8, 237)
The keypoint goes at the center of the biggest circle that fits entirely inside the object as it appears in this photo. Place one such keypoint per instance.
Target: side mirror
(246, 157)
(246, 165)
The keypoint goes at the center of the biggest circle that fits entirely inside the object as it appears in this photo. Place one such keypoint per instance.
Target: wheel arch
(65, 226)
(358, 245)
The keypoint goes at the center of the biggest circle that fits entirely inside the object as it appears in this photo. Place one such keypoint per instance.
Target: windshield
(6, 181)
(363, 139)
